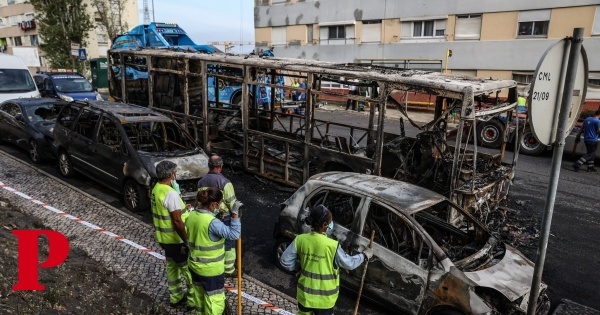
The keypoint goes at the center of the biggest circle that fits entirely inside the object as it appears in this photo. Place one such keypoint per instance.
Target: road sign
(74, 46)
(82, 54)
(75, 52)
(546, 91)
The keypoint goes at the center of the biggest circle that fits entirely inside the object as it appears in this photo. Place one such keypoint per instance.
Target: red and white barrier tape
(134, 244)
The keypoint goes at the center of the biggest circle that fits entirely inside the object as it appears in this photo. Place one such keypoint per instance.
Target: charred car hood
(45, 127)
(511, 276)
(192, 166)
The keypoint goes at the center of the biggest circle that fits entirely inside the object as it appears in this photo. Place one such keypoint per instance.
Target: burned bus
(291, 146)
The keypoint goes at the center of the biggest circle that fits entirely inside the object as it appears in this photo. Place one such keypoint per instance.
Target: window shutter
(596, 28)
(468, 28)
(406, 29)
(534, 15)
(278, 36)
(371, 33)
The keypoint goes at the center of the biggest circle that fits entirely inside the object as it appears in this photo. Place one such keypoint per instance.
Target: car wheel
(490, 133)
(35, 153)
(64, 164)
(280, 245)
(529, 145)
(135, 196)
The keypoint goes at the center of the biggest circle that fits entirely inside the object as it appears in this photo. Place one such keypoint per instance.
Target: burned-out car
(119, 145)
(430, 256)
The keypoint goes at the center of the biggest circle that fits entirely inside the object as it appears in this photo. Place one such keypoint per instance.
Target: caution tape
(133, 244)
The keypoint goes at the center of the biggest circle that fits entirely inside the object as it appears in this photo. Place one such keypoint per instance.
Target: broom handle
(362, 280)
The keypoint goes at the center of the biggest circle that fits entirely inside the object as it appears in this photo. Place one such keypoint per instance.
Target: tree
(109, 16)
(61, 22)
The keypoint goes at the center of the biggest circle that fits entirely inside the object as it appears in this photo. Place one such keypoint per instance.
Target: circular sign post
(546, 92)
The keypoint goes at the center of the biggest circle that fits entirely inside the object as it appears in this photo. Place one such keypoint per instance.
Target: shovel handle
(362, 280)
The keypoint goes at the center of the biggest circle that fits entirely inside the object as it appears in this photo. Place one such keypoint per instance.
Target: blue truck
(171, 36)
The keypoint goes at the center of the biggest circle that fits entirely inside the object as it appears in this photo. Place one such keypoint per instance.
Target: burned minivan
(119, 145)
(430, 255)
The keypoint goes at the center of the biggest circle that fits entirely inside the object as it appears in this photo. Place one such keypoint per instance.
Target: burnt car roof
(407, 198)
(36, 101)
(126, 113)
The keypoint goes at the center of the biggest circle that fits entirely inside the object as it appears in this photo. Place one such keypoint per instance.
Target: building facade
(499, 39)
(19, 32)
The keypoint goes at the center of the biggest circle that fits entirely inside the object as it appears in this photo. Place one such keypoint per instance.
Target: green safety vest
(207, 258)
(318, 286)
(165, 231)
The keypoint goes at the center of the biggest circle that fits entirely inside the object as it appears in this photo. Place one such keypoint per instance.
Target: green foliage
(61, 23)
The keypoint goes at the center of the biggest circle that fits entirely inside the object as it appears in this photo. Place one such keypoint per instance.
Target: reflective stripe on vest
(165, 232)
(207, 258)
(318, 285)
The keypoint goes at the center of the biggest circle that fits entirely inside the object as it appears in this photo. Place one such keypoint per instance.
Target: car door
(398, 272)
(81, 142)
(14, 124)
(49, 90)
(344, 206)
(110, 152)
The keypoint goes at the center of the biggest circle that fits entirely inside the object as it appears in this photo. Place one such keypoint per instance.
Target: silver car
(430, 256)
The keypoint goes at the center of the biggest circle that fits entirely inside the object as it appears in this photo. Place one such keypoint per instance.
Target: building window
(34, 40)
(17, 41)
(468, 26)
(102, 39)
(371, 32)
(340, 34)
(523, 77)
(309, 34)
(424, 29)
(278, 1)
(13, 20)
(596, 27)
(278, 36)
(1, 22)
(29, 17)
(9, 2)
(337, 32)
(533, 23)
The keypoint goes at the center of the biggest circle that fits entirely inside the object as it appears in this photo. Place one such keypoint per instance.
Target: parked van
(69, 86)
(15, 79)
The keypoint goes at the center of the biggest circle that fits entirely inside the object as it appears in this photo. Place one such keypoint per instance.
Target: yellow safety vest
(165, 231)
(207, 257)
(318, 286)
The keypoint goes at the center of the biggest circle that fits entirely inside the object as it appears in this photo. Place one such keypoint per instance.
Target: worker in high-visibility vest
(215, 179)
(207, 236)
(319, 259)
(521, 103)
(167, 207)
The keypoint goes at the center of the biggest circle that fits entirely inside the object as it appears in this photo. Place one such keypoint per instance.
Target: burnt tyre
(529, 145)
(135, 196)
(490, 133)
(65, 166)
(35, 153)
(237, 99)
(280, 245)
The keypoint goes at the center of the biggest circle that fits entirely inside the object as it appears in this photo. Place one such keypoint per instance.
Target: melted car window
(43, 112)
(157, 137)
(394, 234)
(108, 134)
(342, 206)
(87, 123)
(67, 117)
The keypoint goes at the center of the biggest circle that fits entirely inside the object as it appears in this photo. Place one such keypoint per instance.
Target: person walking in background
(295, 84)
(207, 236)
(352, 90)
(215, 179)
(319, 258)
(167, 207)
(590, 130)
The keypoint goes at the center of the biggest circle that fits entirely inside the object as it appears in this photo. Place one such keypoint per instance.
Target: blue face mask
(175, 186)
(329, 228)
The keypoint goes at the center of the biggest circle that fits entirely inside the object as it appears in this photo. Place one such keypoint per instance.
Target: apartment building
(499, 39)
(19, 32)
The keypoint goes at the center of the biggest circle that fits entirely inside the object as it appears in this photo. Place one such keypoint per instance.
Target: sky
(207, 21)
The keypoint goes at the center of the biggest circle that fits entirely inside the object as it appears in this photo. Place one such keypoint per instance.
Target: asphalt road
(571, 268)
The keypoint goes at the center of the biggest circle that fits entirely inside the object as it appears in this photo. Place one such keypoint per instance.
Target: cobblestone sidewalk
(136, 266)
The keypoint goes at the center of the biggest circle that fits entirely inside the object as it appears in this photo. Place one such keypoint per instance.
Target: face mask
(175, 186)
(329, 228)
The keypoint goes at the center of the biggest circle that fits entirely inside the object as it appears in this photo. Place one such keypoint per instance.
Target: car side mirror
(19, 117)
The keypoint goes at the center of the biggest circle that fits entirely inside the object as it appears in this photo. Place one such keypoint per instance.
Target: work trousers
(351, 102)
(313, 311)
(230, 253)
(589, 157)
(208, 302)
(176, 257)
